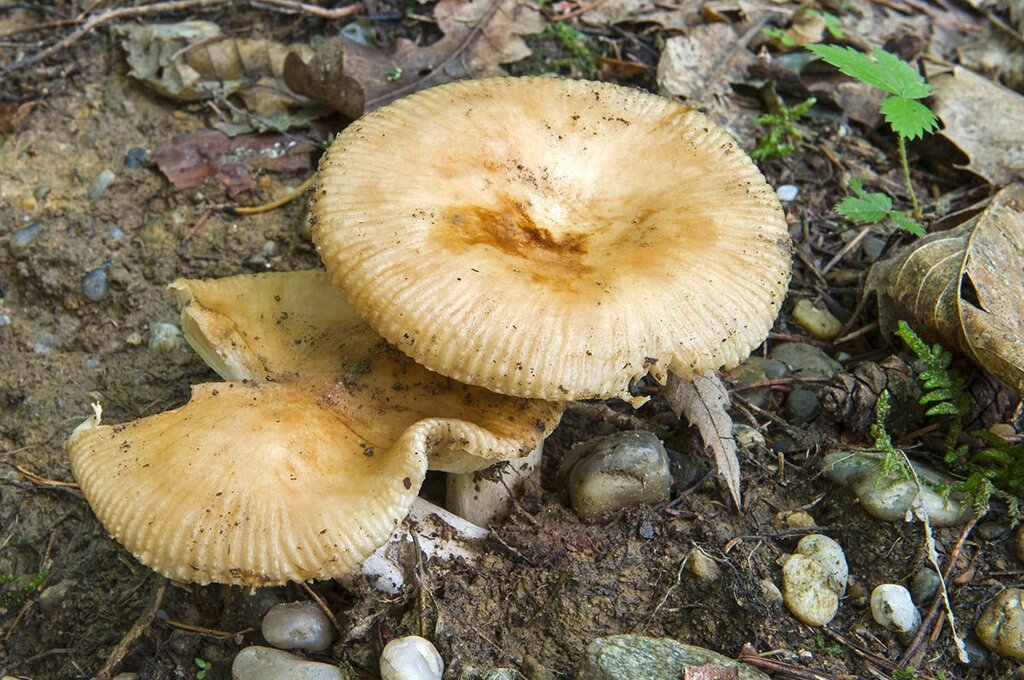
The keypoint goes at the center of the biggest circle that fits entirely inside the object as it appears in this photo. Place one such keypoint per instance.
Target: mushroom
(305, 469)
(550, 238)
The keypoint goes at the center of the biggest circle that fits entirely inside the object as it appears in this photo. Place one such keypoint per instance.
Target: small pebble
(116, 234)
(22, 237)
(872, 247)
(94, 283)
(411, 658)
(1001, 626)
(619, 471)
(805, 360)
(298, 625)
(892, 607)
(474, 673)
(771, 593)
(134, 339)
(136, 158)
(5, 319)
(164, 338)
(801, 405)
(794, 520)
(646, 530)
(44, 345)
(687, 468)
(126, 676)
(702, 566)
(100, 184)
(269, 249)
(924, 585)
(806, 591)
(267, 663)
(746, 436)
(91, 364)
(992, 530)
(830, 555)
(787, 192)
(1004, 430)
(819, 322)
(636, 657)
(41, 192)
(889, 497)
(755, 370)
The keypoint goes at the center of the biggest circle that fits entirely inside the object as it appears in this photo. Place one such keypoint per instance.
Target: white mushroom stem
(484, 500)
(438, 533)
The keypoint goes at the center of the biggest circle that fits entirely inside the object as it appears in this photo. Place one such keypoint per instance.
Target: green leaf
(907, 117)
(778, 34)
(865, 206)
(905, 221)
(942, 394)
(886, 71)
(833, 25)
(945, 408)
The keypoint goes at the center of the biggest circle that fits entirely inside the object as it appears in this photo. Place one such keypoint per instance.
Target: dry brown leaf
(322, 79)
(479, 36)
(985, 120)
(964, 288)
(640, 11)
(704, 402)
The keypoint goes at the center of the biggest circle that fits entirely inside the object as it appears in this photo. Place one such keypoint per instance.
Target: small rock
(818, 322)
(646, 530)
(1001, 626)
(267, 663)
(619, 471)
(804, 360)
(24, 236)
(52, 597)
(126, 676)
(787, 193)
(893, 608)
(801, 405)
(806, 590)
(298, 625)
(474, 673)
(631, 657)
(771, 593)
(888, 498)
(116, 234)
(687, 468)
(41, 192)
(134, 339)
(754, 370)
(91, 364)
(977, 655)
(5, 319)
(793, 520)
(100, 184)
(924, 585)
(830, 555)
(992, 530)
(702, 566)
(164, 338)
(872, 247)
(411, 658)
(136, 158)
(94, 283)
(746, 436)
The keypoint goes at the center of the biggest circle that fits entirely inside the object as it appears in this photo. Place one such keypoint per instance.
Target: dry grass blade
(704, 402)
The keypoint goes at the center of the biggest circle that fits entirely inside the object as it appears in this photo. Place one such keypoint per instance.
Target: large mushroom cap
(552, 238)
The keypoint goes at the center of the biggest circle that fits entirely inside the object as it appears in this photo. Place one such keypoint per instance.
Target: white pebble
(164, 338)
(266, 663)
(830, 555)
(805, 588)
(298, 625)
(893, 608)
(410, 658)
(787, 192)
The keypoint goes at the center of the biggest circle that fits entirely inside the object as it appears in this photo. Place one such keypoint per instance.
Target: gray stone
(801, 405)
(20, 238)
(991, 530)
(474, 673)
(830, 555)
(1001, 626)
(754, 370)
(631, 657)
(298, 625)
(702, 566)
(804, 360)
(619, 471)
(889, 497)
(94, 283)
(787, 192)
(806, 590)
(100, 184)
(770, 592)
(924, 585)
(267, 663)
(892, 607)
(164, 338)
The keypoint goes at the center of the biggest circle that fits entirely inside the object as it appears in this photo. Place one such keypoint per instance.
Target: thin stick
(847, 249)
(323, 605)
(140, 626)
(98, 20)
(275, 204)
(43, 481)
(212, 632)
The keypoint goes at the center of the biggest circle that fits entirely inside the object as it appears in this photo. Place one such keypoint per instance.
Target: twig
(847, 249)
(99, 20)
(323, 605)
(197, 226)
(749, 655)
(212, 632)
(779, 382)
(43, 481)
(275, 204)
(140, 626)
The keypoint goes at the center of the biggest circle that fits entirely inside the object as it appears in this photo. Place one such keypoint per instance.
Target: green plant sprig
(782, 133)
(905, 114)
(868, 207)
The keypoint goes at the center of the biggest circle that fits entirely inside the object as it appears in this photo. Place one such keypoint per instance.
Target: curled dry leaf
(479, 36)
(704, 402)
(964, 288)
(322, 79)
(985, 120)
(187, 160)
(639, 11)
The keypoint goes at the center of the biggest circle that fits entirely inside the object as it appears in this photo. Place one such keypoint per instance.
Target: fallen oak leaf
(964, 288)
(322, 78)
(704, 402)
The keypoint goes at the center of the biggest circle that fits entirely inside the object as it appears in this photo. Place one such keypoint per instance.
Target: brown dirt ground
(548, 584)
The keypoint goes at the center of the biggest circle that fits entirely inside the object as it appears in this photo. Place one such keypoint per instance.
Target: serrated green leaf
(941, 394)
(886, 71)
(866, 207)
(908, 117)
(945, 408)
(778, 34)
(906, 222)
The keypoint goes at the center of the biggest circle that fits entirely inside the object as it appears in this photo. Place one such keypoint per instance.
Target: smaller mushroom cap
(551, 238)
(253, 484)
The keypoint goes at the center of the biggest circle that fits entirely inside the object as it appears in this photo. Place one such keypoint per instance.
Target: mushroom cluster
(503, 245)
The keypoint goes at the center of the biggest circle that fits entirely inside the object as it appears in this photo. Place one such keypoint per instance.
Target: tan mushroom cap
(253, 484)
(550, 238)
(296, 325)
